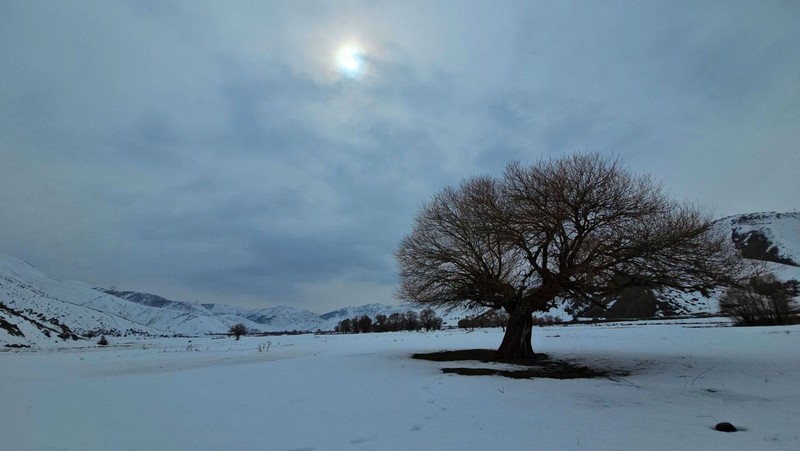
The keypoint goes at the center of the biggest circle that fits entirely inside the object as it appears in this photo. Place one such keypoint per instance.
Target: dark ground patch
(540, 366)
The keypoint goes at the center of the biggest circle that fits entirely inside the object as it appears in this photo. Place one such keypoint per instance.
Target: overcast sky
(218, 152)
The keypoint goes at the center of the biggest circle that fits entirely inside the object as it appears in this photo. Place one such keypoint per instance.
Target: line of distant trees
(499, 318)
(410, 320)
(491, 318)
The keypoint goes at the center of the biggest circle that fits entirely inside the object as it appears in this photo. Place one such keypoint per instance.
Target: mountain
(19, 329)
(285, 318)
(218, 318)
(175, 317)
(771, 237)
(34, 302)
(38, 310)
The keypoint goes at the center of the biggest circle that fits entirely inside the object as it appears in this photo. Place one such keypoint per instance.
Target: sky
(268, 153)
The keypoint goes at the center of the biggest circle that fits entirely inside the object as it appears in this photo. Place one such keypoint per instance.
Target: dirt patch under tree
(541, 366)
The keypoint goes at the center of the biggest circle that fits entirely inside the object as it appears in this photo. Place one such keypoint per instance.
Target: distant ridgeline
(36, 309)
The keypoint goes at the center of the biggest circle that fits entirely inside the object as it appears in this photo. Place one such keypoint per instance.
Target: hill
(32, 301)
(37, 310)
(770, 237)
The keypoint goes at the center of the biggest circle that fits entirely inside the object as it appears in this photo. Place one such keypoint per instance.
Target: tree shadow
(541, 366)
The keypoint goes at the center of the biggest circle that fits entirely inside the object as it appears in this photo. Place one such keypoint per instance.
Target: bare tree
(344, 326)
(380, 323)
(364, 324)
(411, 321)
(394, 322)
(574, 228)
(429, 320)
(237, 330)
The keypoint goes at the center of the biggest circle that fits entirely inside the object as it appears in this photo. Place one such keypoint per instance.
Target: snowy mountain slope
(770, 236)
(20, 329)
(33, 301)
(26, 289)
(224, 309)
(162, 313)
(285, 318)
(218, 318)
(176, 321)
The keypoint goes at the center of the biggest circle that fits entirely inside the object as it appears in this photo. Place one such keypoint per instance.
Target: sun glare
(350, 61)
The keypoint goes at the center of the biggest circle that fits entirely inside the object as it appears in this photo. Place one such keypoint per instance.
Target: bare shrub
(429, 320)
(765, 301)
(264, 347)
(237, 330)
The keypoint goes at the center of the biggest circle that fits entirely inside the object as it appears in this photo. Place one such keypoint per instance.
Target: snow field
(364, 392)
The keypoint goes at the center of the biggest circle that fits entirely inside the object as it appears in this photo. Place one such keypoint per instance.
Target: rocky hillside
(771, 237)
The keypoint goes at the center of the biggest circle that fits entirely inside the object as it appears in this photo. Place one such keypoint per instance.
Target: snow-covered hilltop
(36, 309)
(773, 237)
(37, 303)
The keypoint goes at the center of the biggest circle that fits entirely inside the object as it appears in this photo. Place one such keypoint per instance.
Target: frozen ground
(363, 392)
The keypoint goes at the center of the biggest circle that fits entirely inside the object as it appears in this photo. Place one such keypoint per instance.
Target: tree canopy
(574, 228)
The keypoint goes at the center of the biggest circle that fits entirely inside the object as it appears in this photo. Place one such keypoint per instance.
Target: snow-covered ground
(364, 392)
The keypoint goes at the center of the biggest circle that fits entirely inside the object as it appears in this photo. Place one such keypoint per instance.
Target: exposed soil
(540, 366)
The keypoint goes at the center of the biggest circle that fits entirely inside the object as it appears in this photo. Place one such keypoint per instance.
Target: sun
(351, 61)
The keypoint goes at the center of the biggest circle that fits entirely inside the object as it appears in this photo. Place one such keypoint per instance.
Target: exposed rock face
(766, 236)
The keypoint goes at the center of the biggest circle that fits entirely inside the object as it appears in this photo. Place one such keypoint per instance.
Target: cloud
(213, 152)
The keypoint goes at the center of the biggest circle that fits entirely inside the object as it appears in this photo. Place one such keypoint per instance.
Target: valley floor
(364, 392)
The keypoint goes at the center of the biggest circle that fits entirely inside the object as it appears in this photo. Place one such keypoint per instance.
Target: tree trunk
(517, 339)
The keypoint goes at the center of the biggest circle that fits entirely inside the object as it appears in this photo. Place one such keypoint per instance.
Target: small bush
(764, 302)
(103, 341)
